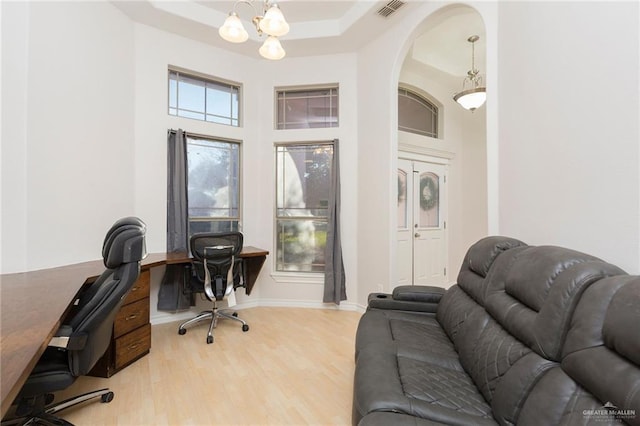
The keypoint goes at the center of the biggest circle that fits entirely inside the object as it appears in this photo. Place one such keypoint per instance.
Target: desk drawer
(140, 288)
(131, 317)
(132, 346)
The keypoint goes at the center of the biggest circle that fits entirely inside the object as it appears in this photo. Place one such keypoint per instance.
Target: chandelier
(474, 96)
(270, 22)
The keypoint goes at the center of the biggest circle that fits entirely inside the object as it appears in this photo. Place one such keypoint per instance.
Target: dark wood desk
(33, 304)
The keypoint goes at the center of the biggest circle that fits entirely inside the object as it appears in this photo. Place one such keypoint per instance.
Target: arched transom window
(416, 114)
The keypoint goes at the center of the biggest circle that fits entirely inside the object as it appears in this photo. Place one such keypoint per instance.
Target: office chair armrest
(65, 338)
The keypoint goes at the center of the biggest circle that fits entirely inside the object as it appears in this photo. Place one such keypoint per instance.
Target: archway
(435, 65)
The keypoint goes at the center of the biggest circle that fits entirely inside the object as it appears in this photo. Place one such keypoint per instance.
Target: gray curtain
(172, 295)
(177, 215)
(334, 278)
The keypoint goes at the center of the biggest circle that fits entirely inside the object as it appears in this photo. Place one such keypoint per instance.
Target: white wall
(13, 156)
(339, 69)
(155, 50)
(569, 138)
(67, 165)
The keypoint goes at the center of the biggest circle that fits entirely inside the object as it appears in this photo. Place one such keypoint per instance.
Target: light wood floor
(293, 367)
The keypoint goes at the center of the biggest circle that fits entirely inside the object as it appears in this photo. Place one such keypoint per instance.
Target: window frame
(307, 88)
(430, 103)
(204, 78)
(284, 275)
(239, 177)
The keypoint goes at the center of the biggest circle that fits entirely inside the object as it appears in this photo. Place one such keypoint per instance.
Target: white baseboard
(165, 317)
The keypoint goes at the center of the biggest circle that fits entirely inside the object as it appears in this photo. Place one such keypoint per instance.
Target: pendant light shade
(475, 96)
(273, 22)
(233, 30)
(272, 49)
(472, 98)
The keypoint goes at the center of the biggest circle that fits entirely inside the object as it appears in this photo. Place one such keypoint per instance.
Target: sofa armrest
(408, 298)
(418, 293)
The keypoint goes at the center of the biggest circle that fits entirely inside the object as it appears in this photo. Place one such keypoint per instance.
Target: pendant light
(473, 97)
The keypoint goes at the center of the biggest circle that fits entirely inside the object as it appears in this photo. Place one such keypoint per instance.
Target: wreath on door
(428, 193)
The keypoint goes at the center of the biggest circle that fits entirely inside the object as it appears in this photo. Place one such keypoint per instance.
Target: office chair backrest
(123, 249)
(219, 251)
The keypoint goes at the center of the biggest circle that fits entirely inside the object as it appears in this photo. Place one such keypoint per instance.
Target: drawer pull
(132, 317)
(134, 346)
(136, 288)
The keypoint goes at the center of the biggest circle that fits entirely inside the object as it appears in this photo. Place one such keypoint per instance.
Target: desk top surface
(32, 305)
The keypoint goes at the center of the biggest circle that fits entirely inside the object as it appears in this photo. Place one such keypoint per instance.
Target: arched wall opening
(436, 63)
(380, 66)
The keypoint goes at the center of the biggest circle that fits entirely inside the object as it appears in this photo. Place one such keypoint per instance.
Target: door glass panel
(402, 199)
(429, 200)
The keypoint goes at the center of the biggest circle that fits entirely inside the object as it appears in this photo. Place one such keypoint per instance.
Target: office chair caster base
(245, 327)
(235, 314)
(209, 339)
(45, 415)
(182, 331)
(107, 397)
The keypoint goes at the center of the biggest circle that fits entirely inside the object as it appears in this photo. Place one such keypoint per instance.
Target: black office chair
(85, 334)
(216, 272)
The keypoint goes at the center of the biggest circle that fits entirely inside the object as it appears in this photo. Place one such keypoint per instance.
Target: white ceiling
(318, 27)
(296, 10)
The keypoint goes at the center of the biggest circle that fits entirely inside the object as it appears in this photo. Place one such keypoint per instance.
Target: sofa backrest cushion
(621, 328)
(477, 263)
(533, 291)
(454, 309)
(467, 295)
(598, 380)
(487, 351)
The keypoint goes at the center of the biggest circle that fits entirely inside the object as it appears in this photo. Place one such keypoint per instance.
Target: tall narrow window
(303, 178)
(200, 98)
(213, 185)
(416, 114)
(307, 108)
(403, 219)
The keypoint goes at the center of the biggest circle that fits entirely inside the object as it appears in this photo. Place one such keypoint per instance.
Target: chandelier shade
(273, 22)
(475, 96)
(233, 30)
(270, 22)
(272, 49)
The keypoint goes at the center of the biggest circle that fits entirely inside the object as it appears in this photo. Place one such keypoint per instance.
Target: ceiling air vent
(390, 8)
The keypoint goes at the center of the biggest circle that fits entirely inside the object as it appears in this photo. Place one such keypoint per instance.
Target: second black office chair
(216, 272)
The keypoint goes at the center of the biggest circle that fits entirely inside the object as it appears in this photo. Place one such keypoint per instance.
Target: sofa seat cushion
(411, 330)
(387, 418)
(401, 379)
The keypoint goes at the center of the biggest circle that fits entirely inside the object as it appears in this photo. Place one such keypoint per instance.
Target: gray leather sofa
(527, 336)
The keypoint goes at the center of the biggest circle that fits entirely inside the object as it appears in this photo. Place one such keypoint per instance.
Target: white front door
(422, 227)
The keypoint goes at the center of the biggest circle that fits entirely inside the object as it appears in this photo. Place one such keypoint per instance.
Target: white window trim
(213, 79)
(293, 277)
(309, 87)
(297, 277)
